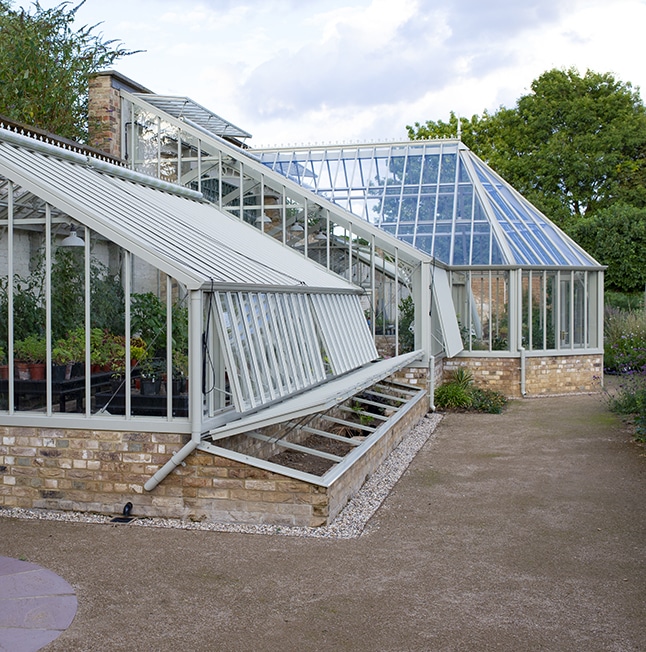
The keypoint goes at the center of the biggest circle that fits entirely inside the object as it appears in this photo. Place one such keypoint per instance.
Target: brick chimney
(104, 110)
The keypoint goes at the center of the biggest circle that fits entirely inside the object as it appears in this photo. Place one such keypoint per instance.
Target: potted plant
(67, 352)
(180, 372)
(152, 372)
(117, 355)
(33, 352)
(74, 351)
(4, 369)
(101, 342)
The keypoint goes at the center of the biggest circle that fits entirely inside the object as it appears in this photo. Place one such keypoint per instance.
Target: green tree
(45, 65)
(616, 236)
(574, 145)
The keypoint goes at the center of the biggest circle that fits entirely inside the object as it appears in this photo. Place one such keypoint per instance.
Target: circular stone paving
(36, 605)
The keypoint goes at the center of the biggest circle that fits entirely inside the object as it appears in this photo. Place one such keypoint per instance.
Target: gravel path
(515, 532)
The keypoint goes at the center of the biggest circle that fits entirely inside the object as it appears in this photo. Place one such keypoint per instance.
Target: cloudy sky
(320, 71)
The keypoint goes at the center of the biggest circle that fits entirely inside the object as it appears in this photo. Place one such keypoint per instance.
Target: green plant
(630, 400)
(32, 349)
(28, 309)
(70, 348)
(459, 392)
(406, 325)
(452, 396)
(625, 355)
(3, 356)
(47, 64)
(153, 368)
(117, 360)
(180, 365)
(625, 340)
(462, 377)
(148, 320)
(487, 400)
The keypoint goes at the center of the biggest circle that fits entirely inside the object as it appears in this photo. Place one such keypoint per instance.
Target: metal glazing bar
(88, 322)
(348, 424)
(329, 435)
(48, 307)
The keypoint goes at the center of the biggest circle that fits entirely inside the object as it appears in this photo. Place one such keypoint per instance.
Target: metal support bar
(329, 435)
(295, 447)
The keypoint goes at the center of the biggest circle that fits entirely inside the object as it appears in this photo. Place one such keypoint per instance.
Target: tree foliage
(575, 146)
(45, 65)
(616, 236)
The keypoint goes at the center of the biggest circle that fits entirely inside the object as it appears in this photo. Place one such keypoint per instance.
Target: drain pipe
(194, 393)
(431, 383)
(523, 359)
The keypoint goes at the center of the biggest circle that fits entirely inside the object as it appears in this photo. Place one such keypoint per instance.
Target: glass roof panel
(438, 195)
(185, 108)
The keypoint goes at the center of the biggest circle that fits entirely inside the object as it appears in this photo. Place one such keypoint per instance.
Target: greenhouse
(440, 198)
(137, 331)
(213, 332)
(511, 295)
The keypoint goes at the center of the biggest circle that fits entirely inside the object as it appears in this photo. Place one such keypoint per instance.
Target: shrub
(487, 400)
(625, 354)
(452, 396)
(459, 392)
(630, 400)
(625, 340)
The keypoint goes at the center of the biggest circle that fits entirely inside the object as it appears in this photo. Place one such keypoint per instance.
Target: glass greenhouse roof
(186, 109)
(435, 195)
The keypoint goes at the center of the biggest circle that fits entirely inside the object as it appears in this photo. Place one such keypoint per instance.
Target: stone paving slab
(36, 605)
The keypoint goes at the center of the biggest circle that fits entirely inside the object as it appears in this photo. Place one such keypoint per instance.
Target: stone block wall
(99, 471)
(564, 374)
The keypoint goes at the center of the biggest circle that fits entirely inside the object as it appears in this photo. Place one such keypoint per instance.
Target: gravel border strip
(349, 524)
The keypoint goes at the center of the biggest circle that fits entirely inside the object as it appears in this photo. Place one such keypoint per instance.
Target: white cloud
(324, 70)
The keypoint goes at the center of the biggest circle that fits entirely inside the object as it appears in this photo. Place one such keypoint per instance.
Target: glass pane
(29, 327)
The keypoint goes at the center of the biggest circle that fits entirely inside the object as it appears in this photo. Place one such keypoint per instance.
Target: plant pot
(150, 387)
(117, 385)
(22, 371)
(179, 386)
(58, 372)
(37, 371)
(4, 371)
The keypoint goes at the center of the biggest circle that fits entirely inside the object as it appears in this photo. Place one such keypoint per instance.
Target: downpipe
(195, 393)
(174, 462)
(431, 383)
(523, 370)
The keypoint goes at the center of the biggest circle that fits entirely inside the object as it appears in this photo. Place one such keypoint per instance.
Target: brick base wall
(543, 375)
(99, 471)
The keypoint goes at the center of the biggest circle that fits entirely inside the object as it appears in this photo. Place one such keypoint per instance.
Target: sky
(293, 72)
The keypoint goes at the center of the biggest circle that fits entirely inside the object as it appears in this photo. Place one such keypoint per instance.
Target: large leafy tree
(617, 237)
(45, 65)
(574, 145)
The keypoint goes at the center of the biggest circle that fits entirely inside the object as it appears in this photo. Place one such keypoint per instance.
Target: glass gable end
(436, 196)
